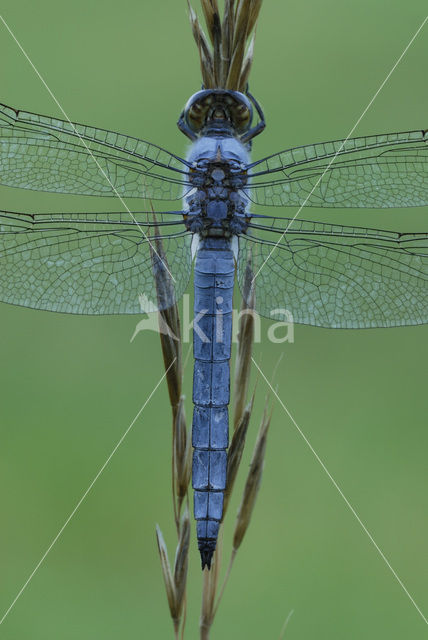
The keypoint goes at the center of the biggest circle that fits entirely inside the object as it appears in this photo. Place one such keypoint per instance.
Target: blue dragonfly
(326, 275)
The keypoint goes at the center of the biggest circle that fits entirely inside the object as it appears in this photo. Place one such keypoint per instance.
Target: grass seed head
(169, 318)
(213, 22)
(252, 484)
(182, 561)
(235, 452)
(226, 57)
(175, 586)
(205, 55)
(212, 18)
(245, 346)
(168, 579)
(182, 454)
(247, 64)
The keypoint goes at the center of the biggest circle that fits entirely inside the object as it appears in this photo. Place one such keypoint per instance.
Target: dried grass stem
(226, 64)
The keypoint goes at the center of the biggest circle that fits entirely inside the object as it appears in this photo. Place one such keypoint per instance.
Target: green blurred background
(70, 386)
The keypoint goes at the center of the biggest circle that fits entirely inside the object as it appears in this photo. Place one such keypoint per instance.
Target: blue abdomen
(212, 337)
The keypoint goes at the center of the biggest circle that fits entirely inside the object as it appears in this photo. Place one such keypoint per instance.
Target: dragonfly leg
(184, 127)
(260, 126)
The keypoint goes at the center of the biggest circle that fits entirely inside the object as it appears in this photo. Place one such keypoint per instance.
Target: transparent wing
(46, 154)
(389, 170)
(337, 276)
(102, 263)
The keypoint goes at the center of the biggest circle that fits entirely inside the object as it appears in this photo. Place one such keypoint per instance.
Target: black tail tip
(206, 549)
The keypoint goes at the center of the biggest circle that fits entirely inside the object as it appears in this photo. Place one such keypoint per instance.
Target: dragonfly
(325, 275)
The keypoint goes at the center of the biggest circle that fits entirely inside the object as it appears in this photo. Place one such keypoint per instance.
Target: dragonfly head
(212, 111)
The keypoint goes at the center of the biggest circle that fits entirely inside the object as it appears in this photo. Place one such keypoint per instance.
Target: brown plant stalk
(170, 337)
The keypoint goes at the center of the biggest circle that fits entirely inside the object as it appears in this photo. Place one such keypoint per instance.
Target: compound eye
(197, 114)
(241, 117)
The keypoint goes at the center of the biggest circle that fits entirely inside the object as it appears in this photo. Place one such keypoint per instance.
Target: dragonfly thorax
(217, 205)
